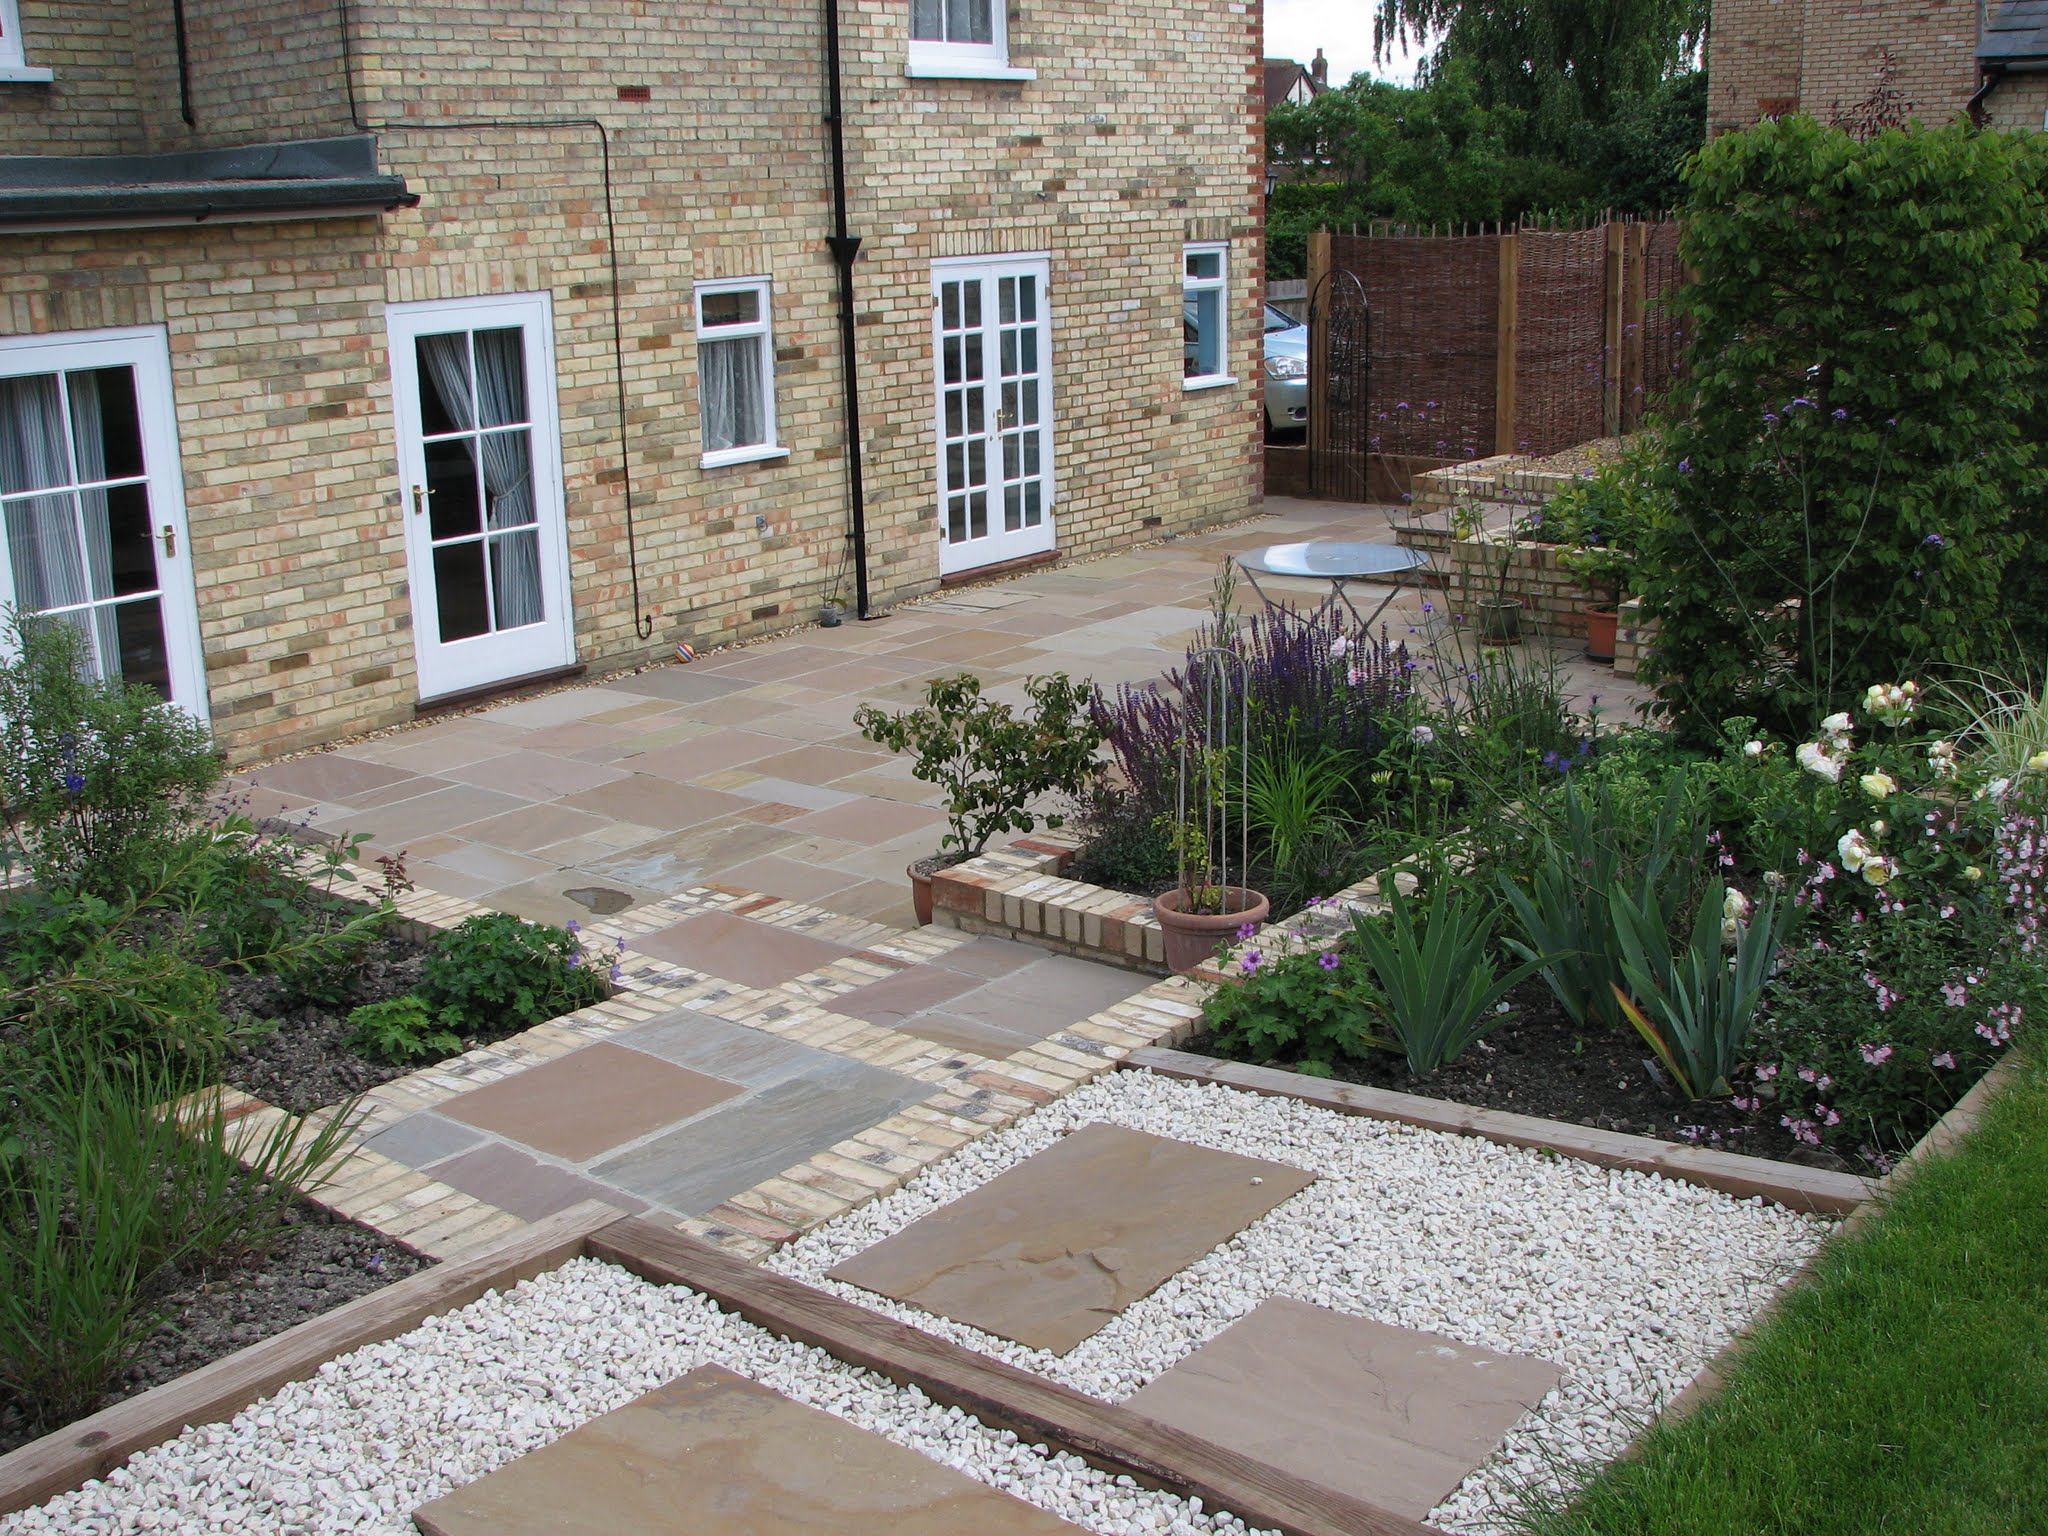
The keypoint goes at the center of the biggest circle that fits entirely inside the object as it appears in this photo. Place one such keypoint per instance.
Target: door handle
(420, 493)
(170, 538)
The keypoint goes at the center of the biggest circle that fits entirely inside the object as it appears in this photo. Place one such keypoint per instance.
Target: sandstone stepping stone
(588, 1101)
(1050, 1251)
(713, 1454)
(1387, 1415)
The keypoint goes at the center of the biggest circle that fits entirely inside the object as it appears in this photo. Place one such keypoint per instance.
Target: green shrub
(1850, 455)
(104, 1198)
(991, 762)
(97, 776)
(260, 912)
(1309, 1008)
(1433, 964)
(494, 975)
(399, 1030)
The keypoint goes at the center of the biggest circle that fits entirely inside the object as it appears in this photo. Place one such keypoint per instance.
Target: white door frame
(146, 351)
(999, 546)
(503, 655)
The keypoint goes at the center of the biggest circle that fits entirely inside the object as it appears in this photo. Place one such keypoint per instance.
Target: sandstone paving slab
(331, 776)
(536, 775)
(1392, 1416)
(773, 874)
(1051, 1250)
(750, 1057)
(735, 1147)
(530, 1189)
(582, 1105)
(733, 949)
(713, 1454)
(1050, 993)
(422, 1138)
(893, 999)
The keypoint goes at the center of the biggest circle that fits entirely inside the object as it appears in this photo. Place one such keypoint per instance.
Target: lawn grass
(1904, 1390)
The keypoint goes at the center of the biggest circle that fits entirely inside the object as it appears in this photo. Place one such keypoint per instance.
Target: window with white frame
(962, 38)
(736, 371)
(1205, 315)
(14, 63)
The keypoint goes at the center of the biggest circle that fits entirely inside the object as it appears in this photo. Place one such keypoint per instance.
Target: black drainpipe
(1979, 113)
(845, 248)
(184, 65)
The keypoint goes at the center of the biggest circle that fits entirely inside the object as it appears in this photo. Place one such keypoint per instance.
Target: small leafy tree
(1850, 444)
(991, 761)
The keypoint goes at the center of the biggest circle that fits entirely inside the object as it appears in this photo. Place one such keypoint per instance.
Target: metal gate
(1339, 388)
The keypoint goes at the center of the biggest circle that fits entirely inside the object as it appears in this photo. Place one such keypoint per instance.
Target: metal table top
(1333, 559)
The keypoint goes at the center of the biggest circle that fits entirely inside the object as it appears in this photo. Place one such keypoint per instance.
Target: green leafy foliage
(1857, 427)
(97, 777)
(1311, 1006)
(1433, 964)
(992, 762)
(494, 974)
(1600, 523)
(1695, 1008)
(105, 1198)
(399, 1030)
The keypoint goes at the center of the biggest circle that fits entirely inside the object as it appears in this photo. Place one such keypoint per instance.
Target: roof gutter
(1991, 75)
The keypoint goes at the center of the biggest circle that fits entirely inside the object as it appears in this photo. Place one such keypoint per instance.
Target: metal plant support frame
(1339, 387)
(1212, 672)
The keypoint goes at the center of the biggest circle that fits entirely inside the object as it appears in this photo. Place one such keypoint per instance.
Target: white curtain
(49, 558)
(928, 20)
(507, 458)
(89, 444)
(729, 375)
(968, 21)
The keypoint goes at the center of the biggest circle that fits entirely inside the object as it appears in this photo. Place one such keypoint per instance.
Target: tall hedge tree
(1560, 63)
(1852, 450)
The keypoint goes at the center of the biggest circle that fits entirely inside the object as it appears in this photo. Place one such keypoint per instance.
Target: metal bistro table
(1337, 561)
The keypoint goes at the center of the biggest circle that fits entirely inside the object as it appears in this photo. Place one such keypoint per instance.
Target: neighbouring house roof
(2015, 32)
(1282, 76)
(302, 179)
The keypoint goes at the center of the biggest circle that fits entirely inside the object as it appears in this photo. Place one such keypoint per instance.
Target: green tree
(1560, 63)
(1637, 157)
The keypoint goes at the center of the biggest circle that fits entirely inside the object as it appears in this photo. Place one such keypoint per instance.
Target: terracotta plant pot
(1192, 937)
(1600, 624)
(1500, 620)
(921, 888)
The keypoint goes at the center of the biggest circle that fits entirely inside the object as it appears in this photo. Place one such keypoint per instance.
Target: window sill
(1214, 381)
(760, 453)
(26, 74)
(919, 70)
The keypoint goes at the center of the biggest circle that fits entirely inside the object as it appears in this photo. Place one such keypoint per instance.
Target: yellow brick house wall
(1140, 132)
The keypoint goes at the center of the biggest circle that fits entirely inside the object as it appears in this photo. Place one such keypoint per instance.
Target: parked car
(1286, 372)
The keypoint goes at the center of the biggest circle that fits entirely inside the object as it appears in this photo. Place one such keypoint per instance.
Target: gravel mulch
(318, 1263)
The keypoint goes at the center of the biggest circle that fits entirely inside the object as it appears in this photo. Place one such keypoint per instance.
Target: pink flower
(1945, 1060)
(1876, 1055)
(1766, 1072)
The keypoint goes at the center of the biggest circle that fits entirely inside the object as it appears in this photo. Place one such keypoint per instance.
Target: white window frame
(1218, 285)
(14, 64)
(762, 332)
(932, 60)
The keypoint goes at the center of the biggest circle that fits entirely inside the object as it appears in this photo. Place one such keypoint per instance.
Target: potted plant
(1604, 571)
(1500, 616)
(1596, 523)
(1200, 911)
(832, 611)
(992, 762)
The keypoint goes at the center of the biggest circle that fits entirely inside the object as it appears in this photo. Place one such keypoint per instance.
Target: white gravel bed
(1628, 1282)
(381, 1431)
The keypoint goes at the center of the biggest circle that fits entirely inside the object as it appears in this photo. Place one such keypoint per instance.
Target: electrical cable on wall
(643, 621)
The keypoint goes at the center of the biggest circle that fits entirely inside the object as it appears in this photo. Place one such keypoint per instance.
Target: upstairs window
(966, 39)
(1205, 315)
(736, 372)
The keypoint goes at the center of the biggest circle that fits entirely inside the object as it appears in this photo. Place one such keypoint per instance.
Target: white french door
(992, 341)
(92, 503)
(480, 479)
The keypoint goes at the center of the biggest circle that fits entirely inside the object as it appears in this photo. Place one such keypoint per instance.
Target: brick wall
(1141, 131)
(91, 107)
(1772, 57)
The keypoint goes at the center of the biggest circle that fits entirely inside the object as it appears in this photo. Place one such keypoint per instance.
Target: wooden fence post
(1615, 270)
(1506, 345)
(1319, 347)
(1634, 317)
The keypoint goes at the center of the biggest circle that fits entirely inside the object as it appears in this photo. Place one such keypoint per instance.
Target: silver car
(1286, 372)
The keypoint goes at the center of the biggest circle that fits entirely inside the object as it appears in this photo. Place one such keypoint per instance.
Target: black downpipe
(184, 65)
(845, 248)
(643, 621)
(1977, 106)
